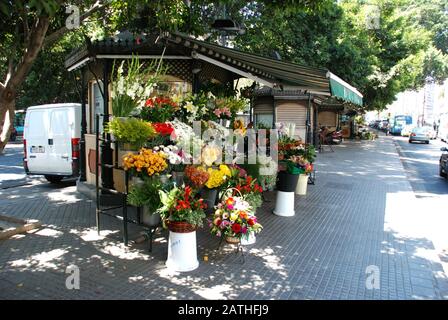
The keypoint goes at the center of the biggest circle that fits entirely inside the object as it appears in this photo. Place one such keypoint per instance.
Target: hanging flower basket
(180, 226)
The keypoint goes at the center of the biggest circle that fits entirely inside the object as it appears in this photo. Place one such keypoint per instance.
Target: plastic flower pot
(182, 251)
(287, 182)
(209, 196)
(302, 184)
(179, 177)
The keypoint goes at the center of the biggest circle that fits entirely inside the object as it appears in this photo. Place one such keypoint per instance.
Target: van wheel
(441, 173)
(54, 179)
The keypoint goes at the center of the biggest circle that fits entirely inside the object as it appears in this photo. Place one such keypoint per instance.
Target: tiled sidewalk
(359, 214)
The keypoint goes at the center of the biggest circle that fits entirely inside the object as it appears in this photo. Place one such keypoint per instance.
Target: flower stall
(156, 114)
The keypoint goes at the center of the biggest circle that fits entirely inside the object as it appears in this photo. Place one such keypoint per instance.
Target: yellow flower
(225, 170)
(233, 216)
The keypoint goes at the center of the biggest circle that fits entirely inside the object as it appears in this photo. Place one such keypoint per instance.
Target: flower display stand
(284, 204)
(182, 251)
(302, 184)
(286, 186)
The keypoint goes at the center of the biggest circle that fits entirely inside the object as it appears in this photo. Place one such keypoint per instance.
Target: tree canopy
(403, 45)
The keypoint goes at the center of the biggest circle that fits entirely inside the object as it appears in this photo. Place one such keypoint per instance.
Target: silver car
(420, 134)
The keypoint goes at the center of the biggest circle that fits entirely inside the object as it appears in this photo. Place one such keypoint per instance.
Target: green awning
(341, 89)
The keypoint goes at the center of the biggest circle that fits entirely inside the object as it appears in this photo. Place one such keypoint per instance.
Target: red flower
(251, 222)
(164, 129)
(236, 227)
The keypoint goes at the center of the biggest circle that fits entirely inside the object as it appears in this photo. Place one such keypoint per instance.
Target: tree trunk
(7, 103)
(15, 78)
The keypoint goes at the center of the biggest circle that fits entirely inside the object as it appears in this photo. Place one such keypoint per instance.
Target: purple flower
(244, 230)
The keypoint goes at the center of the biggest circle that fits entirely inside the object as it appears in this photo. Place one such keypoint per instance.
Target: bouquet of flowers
(193, 107)
(182, 205)
(129, 92)
(159, 109)
(251, 191)
(197, 175)
(233, 218)
(146, 163)
(218, 176)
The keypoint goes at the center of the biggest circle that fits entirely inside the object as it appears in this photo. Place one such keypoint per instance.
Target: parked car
(406, 131)
(51, 140)
(443, 162)
(419, 134)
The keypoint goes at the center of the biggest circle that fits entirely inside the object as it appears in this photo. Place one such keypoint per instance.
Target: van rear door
(60, 140)
(36, 135)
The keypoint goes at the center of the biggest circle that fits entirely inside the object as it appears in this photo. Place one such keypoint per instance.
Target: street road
(421, 162)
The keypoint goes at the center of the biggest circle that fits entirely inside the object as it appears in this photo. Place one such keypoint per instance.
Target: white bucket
(182, 254)
(284, 204)
(250, 240)
(302, 184)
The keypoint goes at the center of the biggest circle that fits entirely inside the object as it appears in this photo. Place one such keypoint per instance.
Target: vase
(209, 196)
(149, 218)
(179, 178)
(287, 182)
(302, 184)
(251, 239)
(182, 251)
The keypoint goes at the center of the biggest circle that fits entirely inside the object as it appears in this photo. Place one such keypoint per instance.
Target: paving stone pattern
(320, 253)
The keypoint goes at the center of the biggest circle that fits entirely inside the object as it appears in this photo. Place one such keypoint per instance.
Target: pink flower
(244, 230)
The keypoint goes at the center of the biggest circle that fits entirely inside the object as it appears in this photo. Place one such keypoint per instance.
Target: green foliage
(130, 130)
(193, 215)
(146, 194)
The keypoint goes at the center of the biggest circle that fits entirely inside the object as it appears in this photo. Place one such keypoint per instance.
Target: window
(264, 119)
(97, 106)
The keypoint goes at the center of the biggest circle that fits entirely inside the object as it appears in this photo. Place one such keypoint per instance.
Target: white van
(51, 139)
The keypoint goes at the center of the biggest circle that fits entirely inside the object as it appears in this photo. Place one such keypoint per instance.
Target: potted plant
(146, 163)
(129, 133)
(182, 212)
(159, 109)
(234, 220)
(146, 195)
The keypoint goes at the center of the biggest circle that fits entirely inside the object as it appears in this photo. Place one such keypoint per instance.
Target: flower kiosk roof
(267, 71)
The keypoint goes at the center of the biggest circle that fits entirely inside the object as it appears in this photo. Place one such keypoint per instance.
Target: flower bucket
(287, 182)
(251, 239)
(149, 218)
(209, 196)
(182, 251)
(178, 177)
(302, 184)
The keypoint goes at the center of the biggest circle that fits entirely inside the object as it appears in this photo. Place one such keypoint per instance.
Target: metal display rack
(100, 209)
